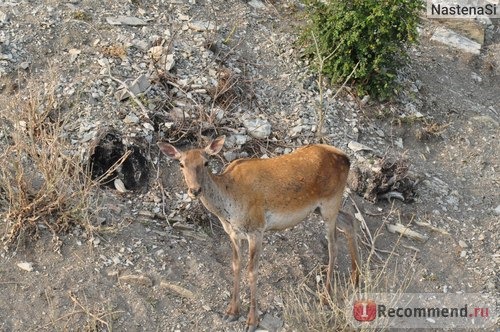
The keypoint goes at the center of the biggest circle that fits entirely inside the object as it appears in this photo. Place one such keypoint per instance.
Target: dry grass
(305, 308)
(43, 183)
(115, 51)
(84, 313)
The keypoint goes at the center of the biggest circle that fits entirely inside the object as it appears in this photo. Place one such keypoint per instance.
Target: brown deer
(255, 195)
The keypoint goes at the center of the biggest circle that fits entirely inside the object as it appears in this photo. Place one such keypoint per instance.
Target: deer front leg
(233, 310)
(254, 248)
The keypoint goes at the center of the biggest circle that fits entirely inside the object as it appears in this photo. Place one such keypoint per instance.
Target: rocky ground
(137, 72)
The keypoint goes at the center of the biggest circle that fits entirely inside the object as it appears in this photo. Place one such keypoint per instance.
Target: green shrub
(369, 38)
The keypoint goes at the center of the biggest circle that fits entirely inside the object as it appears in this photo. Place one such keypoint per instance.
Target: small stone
(240, 139)
(256, 4)
(73, 54)
(125, 20)
(201, 25)
(258, 128)
(497, 210)
(230, 155)
(365, 100)
(295, 131)
(463, 244)
(140, 85)
(24, 65)
(148, 126)
(356, 146)
(119, 185)
(170, 62)
(463, 253)
(270, 323)
(399, 142)
(136, 280)
(26, 266)
(156, 52)
(6, 56)
(121, 94)
(476, 77)
(3, 17)
(95, 241)
(453, 39)
(481, 237)
(131, 118)
(103, 62)
(380, 133)
(88, 136)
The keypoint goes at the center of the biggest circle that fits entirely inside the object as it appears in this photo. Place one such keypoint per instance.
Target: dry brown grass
(305, 308)
(88, 315)
(115, 51)
(43, 183)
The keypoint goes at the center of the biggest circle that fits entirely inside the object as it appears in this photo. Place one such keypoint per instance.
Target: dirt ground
(160, 261)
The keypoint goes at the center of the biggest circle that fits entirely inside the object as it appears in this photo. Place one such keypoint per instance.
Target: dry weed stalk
(42, 180)
(304, 306)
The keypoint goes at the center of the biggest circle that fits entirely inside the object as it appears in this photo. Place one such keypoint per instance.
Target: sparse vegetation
(370, 38)
(42, 181)
(305, 308)
(81, 16)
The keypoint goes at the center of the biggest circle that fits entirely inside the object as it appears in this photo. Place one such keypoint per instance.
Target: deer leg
(254, 249)
(233, 309)
(349, 225)
(329, 213)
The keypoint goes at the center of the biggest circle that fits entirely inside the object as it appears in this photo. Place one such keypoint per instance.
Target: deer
(252, 196)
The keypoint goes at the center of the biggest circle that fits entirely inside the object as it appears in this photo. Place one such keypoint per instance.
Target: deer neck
(214, 194)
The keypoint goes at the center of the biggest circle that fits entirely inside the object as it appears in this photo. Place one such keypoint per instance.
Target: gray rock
(131, 118)
(125, 20)
(257, 4)
(270, 323)
(170, 62)
(3, 17)
(463, 244)
(239, 139)
(295, 131)
(201, 25)
(258, 128)
(356, 146)
(140, 85)
(455, 40)
(476, 77)
(497, 210)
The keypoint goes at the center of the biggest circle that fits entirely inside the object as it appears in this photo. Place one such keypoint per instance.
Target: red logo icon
(364, 310)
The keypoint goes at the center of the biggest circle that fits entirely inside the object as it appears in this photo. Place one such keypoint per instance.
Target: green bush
(369, 38)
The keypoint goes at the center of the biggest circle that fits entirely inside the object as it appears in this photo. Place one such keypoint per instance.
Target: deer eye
(205, 163)
(181, 165)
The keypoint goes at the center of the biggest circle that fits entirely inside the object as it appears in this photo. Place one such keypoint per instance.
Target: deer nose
(194, 192)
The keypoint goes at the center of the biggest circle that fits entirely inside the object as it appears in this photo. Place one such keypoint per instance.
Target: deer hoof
(251, 328)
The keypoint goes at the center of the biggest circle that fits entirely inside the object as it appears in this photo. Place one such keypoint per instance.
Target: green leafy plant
(370, 38)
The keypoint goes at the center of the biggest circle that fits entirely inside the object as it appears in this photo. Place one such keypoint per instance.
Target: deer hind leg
(254, 250)
(329, 211)
(350, 226)
(233, 310)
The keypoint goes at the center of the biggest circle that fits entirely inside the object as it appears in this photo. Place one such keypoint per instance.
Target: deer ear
(169, 150)
(215, 146)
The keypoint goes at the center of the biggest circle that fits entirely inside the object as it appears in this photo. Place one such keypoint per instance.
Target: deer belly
(276, 221)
